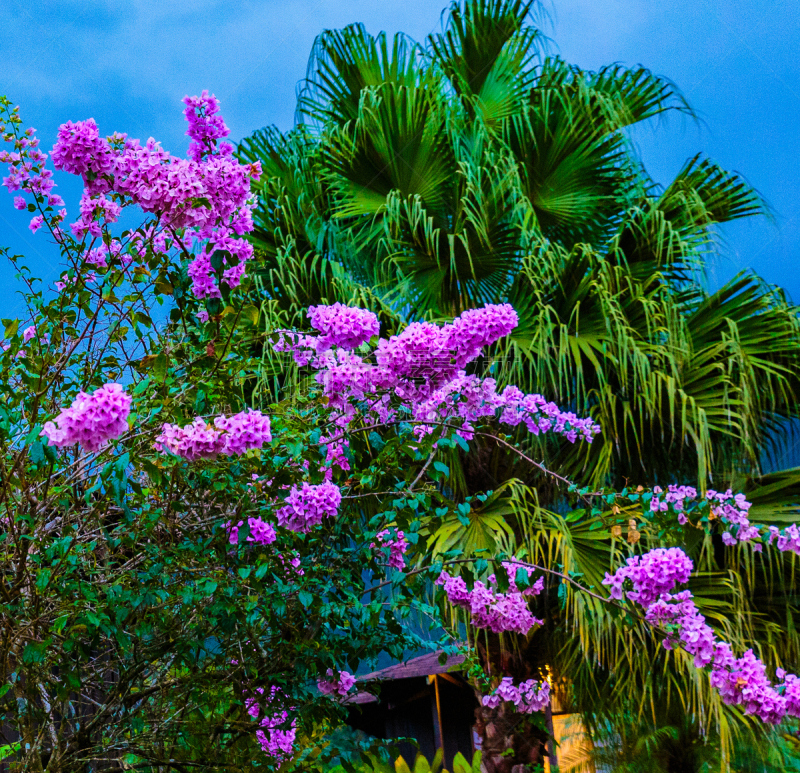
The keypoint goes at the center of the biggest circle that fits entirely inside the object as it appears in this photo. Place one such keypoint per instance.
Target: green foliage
(630, 745)
(421, 765)
(477, 168)
(462, 765)
(132, 629)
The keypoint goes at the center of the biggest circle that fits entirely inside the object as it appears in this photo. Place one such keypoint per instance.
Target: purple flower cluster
(91, 420)
(345, 377)
(244, 431)
(420, 358)
(789, 539)
(739, 681)
(308, 505)
(302, 347)
(27, 170)
(677, 612)
(527, 697)
(421, 366)
(466, 399)
(206, 197)
(273, 739)
(498, 612)
(743, 682)
(79, 149)
(417, 360)
(425, 356)
(261, 532)
(396, 544)
(96, 212)
(729, 509)
(203, 199)
(512, 567)
(652, 574)
(338, 685)
(335, 455)
(205, 126)
(292, 566)
(197, 440)
(230, 436)
(342, 326)
(477, 328)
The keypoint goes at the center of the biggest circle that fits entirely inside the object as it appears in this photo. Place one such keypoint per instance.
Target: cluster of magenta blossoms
(226, 435)
(339, 684)
(650, 580)
(729, 509)
(308, 505)
(261, 532)
(277, 734)
(92, 420)
(527, 697)
(421, 371)
(498, 612)
(202, 205)
(343, 326)
(397, 544)
(26, 169)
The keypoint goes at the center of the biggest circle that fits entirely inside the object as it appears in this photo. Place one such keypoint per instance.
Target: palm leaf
(487, 52)
(345, 62)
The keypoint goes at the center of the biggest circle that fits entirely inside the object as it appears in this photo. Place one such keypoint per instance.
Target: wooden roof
(424, 665)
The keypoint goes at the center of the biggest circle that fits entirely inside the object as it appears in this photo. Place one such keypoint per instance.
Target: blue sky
(128, 64)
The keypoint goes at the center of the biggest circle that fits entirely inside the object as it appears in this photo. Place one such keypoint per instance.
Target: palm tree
(475, 169)
(426, 179)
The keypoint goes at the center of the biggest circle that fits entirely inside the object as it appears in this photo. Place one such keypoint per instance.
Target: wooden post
(552, 759)
(439, 717)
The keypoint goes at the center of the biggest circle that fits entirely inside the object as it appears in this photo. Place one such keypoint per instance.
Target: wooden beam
(451, 678)
(439, 716)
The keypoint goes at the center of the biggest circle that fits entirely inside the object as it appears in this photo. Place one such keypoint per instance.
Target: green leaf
(160, 367)
(35, 652)
(10, 749)
(461, 442)
(142, 386)
(36, 453)
(218, 260)
(442, 467)
(250, 313)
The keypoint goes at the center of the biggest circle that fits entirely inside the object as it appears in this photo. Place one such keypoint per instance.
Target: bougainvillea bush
(191, 574)
(178, 572)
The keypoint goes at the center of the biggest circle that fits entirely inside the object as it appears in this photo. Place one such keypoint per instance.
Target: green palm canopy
(425, 179)
(428, 179)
